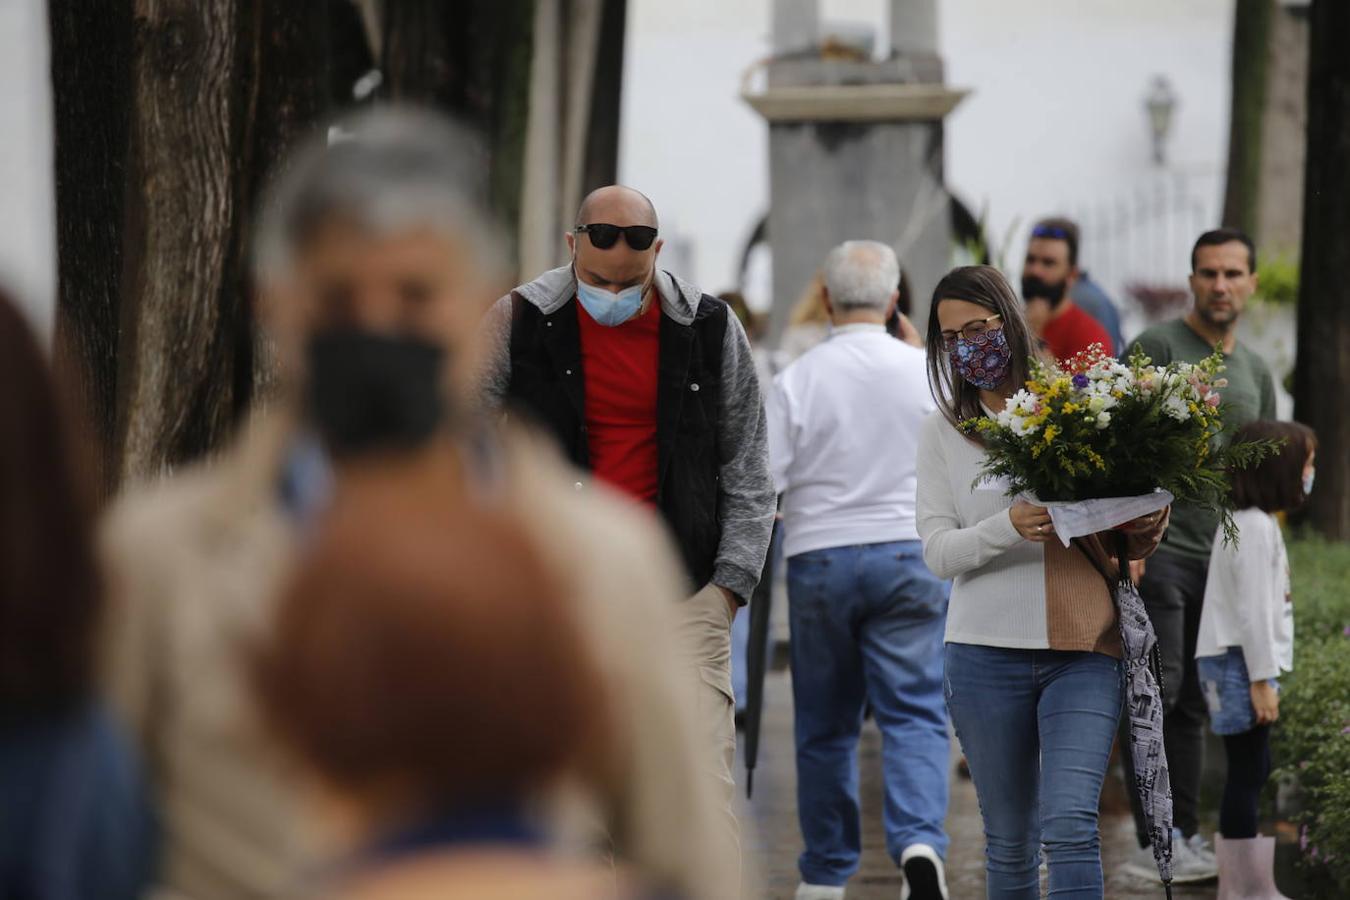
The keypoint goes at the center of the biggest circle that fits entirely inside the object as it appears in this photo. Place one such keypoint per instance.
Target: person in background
(1033, 672)
(1246, 641)
(75, 818)
(1092, 299)
(375, 261)
(648, 384)
(898, 324)
(808, 322)
(1223, 277)
(1048, 276)
(427, 672)
(866, 613)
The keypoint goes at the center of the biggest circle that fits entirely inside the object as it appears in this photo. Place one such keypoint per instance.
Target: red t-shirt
(620, 367)
(1073, 331)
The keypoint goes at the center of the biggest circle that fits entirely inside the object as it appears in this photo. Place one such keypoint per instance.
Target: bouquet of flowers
(1100, 441)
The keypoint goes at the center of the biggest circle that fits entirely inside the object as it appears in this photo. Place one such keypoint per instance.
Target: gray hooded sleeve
(746, 501)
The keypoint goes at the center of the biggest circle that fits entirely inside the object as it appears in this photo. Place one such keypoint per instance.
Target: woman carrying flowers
(1033, 676)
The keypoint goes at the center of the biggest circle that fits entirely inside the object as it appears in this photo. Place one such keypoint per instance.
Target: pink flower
(1212, 401)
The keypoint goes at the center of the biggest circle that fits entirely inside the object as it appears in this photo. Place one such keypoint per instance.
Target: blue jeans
(867, 624)
(1036, 727)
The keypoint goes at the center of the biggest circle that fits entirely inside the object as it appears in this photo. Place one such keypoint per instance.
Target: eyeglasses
(970, 331)
(603, 235)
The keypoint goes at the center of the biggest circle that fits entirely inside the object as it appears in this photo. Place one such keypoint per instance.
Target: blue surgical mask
(1308, 482)
(607, 307)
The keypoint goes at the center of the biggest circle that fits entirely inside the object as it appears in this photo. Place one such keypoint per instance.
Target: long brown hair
(49, 587)
(987, 287)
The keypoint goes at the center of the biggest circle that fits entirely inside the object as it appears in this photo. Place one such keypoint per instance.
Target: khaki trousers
(705, 639)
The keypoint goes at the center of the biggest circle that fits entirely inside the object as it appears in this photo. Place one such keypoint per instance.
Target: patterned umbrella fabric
(1143, 701)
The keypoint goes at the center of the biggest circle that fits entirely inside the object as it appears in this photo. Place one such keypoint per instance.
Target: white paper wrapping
(1084, 517)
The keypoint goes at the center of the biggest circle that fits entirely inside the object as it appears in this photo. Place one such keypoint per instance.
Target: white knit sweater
(1007, 591)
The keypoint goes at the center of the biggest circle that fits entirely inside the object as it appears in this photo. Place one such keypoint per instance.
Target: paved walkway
(778, 841)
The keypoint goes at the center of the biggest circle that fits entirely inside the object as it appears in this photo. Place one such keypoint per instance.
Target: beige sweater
(1007, 591)
(195, 564)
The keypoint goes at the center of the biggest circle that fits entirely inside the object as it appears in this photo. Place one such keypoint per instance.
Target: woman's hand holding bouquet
(1104, 444)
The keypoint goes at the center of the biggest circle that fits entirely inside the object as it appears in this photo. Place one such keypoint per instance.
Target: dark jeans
(1173, 589)
(1248, 768)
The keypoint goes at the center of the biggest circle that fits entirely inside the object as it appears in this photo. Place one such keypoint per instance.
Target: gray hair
(385, 170)
(861, 275)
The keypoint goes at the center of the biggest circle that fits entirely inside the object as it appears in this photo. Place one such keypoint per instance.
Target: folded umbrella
(757, 663)
(1143, 702)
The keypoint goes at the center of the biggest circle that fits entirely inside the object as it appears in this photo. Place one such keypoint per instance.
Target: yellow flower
(1071, 407)
(1050, 432)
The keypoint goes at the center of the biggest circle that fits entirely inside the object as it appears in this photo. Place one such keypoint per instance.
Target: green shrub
(1278, 280)
(1312, 738)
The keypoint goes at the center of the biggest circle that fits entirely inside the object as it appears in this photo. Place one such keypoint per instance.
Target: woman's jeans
(1036, 727)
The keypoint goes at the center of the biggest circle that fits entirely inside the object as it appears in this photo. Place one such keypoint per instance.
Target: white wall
(27, 207)
(1056, 120)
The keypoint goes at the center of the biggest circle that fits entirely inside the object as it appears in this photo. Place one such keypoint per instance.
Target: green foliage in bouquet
(1095, 427)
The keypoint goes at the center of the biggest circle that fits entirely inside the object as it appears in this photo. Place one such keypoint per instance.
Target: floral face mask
(984, 360)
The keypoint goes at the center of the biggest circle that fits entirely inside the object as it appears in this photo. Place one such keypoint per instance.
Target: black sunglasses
(603, 235)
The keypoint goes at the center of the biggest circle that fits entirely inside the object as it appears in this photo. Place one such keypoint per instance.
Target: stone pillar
(855, 151)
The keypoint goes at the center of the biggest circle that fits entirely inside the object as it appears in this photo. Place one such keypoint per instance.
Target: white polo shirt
(844, 423)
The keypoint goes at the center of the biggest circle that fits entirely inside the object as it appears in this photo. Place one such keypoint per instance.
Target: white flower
(1103, 420)
(1176, 407)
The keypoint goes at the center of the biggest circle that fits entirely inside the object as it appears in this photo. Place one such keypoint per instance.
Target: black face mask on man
(371, 392)
(1034, 287)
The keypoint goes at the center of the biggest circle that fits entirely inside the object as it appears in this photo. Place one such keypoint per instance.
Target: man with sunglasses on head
(1049, 274)
(649, 385)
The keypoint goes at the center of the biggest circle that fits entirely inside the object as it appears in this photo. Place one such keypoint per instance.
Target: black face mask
(1033, 287)
(370, 392)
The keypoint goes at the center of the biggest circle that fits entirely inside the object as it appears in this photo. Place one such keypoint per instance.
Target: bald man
(648, 385)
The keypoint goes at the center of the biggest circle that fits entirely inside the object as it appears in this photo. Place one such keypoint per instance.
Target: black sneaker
(925, 878)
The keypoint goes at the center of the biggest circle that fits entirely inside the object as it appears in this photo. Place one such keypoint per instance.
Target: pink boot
(1247, 869)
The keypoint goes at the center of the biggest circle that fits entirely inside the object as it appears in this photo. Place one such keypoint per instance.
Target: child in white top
(1247, 639)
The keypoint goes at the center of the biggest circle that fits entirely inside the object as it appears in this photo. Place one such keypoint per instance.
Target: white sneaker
(819, 892)
(1201, 848)
(1192, 860)
(925, 877)
(1191, 864)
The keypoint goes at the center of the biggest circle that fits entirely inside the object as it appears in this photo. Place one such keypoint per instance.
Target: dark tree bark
(1322, 373)
(91, 80)
(472, 61)
(176, 374)
(168, 112)
(1251, 51)
(283, 98)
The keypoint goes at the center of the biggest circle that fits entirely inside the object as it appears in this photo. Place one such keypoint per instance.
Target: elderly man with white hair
(867, 616)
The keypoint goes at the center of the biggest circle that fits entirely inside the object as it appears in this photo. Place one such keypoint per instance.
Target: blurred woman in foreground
(74, 822)
(427, 671)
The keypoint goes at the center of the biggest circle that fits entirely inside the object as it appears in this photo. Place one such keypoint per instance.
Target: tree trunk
(283, 99)
(91, 47)
(168, 112)
(1322, 374)
(1251, 51)
(472, 61)
(176, 374)
(602, 139)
